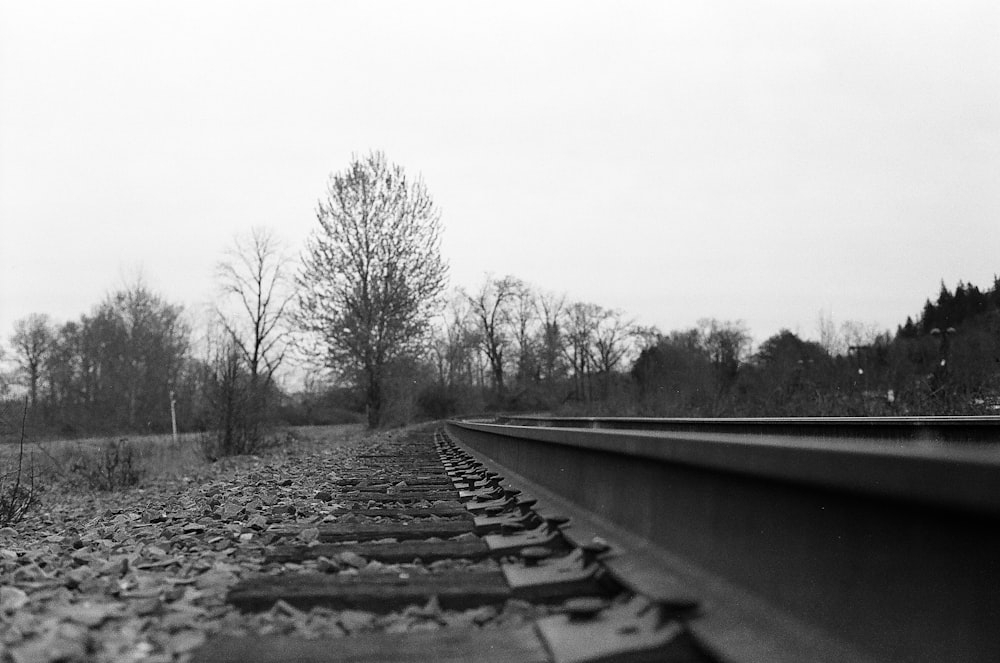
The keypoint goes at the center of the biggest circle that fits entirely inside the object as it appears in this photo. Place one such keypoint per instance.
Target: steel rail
(892, 429)
(881, 534)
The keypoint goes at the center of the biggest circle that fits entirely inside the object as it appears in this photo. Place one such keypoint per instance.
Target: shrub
(17, 492)
(115, 465)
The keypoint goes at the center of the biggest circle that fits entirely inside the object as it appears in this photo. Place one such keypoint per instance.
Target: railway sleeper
(439, 510)
(394, 530)
(612, 638)
(439, 479)
(438, 495)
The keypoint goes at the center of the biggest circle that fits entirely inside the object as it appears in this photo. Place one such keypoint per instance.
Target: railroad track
(566, 540)
(433, 533)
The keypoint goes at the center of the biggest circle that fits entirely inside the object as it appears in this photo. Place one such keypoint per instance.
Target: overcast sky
(760, 161)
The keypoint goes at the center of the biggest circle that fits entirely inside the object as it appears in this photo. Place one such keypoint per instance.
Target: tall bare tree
(491, 307)
(4, 379)
(581, 322)
(728, 345)
(32, 341)
(455, 343)
(612, 337)
(372, 273)
(524, 321)
(551, 307)
(255, 274)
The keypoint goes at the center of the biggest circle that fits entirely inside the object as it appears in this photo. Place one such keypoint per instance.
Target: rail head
(893, 429)
(912, 460)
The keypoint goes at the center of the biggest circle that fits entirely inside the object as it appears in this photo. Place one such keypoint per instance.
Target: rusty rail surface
(799, 539)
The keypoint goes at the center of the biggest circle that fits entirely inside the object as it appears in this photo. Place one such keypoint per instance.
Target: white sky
(740, 160)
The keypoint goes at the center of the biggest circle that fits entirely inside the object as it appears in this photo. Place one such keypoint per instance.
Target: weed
(115, 465)
(223, 443)
(17, 496)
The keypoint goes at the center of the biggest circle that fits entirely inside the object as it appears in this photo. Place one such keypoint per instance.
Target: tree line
(365, 318)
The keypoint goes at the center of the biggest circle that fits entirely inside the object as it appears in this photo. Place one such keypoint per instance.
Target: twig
(20, 455)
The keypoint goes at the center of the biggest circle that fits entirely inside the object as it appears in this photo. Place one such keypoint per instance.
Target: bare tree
(254, 274)
(490, 306)
(524, 320)
(551, 309)
(4, 379)
(581, 326)
(232, 416)
(32, 341)
(455, 343)
(854, 333)
(728, 345)
(372, 273)
(829, 338)
(254, 280)
(613, 340)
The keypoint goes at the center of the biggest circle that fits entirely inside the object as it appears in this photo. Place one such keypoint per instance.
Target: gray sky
(751, 160)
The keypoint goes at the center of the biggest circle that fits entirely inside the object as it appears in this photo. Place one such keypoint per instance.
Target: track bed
(432, 557)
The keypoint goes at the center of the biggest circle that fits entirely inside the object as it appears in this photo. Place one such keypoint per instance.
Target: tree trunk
(373, 401)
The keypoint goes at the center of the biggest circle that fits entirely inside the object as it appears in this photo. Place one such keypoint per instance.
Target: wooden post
(173, 414)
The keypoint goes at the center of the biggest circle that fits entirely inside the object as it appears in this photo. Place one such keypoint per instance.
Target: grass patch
(114, 466)
(117, 463)
(111, 463)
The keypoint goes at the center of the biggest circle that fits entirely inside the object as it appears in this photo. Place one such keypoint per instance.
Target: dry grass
(153, 456)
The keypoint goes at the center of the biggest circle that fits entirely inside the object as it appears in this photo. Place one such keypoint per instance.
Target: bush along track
(392, 547)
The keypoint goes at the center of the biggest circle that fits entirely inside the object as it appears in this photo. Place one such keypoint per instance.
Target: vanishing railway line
(564, 540)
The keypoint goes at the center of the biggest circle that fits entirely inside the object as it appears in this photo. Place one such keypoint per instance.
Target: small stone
(214, 579)
(89, 615)
(323, 495)
(483, 614)
(309, 534)
(185, 641)
(146, 607)
(257, 523)
(12, 598)
(115, 567)
(78, 576)
(350, 558)
(174, 593)
(326, 565)
(355, 620)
